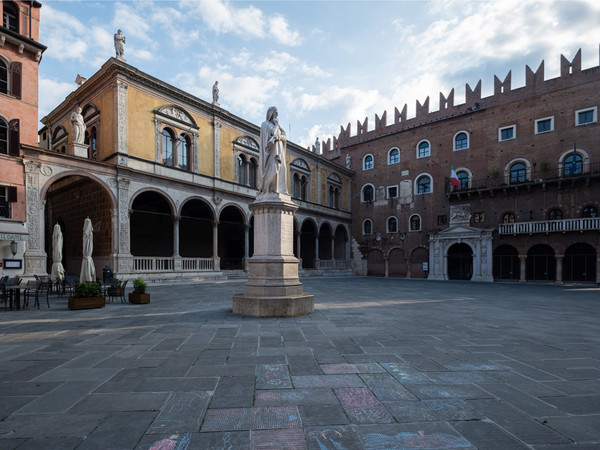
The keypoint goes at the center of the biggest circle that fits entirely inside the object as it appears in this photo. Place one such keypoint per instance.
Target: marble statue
(119, 44)
(272, 166)
(348, 162)
(78, 126)
(318, 146)
(215, 92)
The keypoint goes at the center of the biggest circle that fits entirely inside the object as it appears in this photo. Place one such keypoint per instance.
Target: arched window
(573, 164)
(252, 172)
(300, 174)
(461, 140)
(241, 169)
(368, 194)
(392, 225)
(334, 197)
(367, 227)
(10, 17)
(508, 218)
(590, 211)
(394, 156)
(183, 151)
(423, 149)
(518, 173)
(415, 222)
(3, 77)
(555, 214)
(463, 179)
(3, 137)
(91, 140)
(368, 162)
(167, 147)
(424, 184)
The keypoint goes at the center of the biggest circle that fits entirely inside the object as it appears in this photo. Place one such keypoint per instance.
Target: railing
(197, 264)
(549, 174)
(153, 264)
(550, 226)
(332, 264)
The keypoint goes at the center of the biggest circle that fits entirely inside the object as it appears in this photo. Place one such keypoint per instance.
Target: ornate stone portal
(273, 288)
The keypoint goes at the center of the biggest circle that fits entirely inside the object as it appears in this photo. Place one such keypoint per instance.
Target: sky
(324, 64)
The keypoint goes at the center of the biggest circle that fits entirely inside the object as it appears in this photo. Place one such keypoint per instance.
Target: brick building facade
(528, 167)
(20, 55)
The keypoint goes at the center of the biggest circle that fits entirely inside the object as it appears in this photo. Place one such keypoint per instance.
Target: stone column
(120, 115)
(523, 264)
(333, 248)
(559, 266)
(216, 259)
(124, 258)
(246, 246)
(317, 260)
(176, 220)
(35, 256)
(273, 288)
(386, 263)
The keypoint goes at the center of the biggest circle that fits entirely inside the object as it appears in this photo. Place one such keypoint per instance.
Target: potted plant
(139, 295)
(87, 295)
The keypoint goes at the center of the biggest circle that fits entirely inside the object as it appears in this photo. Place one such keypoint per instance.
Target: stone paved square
(381, 363)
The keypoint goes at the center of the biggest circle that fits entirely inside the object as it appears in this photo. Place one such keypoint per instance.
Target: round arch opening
(460, 262)
(69, 201)
(231, 238)
(579, 263)
(507, 265)
(196, 230)
(151, 225)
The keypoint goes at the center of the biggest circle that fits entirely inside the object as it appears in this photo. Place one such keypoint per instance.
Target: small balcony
(550, 226)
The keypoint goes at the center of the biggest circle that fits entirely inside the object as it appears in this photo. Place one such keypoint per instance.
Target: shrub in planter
(87, 296)
(139, 292)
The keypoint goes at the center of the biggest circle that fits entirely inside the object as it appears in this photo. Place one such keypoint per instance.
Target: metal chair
(116, 291)
(42, 289)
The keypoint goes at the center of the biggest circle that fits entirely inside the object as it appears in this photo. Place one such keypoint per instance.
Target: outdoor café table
(14, 292)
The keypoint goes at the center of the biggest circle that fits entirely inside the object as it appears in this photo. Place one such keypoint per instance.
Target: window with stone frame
(586, 116)
(392, 225)
(368, 162)
(91, 118)
(367, 227)
(300, 173)
(415, 223)
(518, 173)
(3, 77)
(3, 137)
(461, 140)
(555, 214)
(8, 195)
(10, 16)
(479, 217)
(334, 188)
(245, 151)
(423, 149)
(394, 156)
(58, 141)
(176, 138)
(368, 193)
(508, 217)
(424, 184)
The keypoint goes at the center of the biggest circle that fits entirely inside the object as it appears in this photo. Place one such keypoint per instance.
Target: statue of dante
(119, 44)
(272, 167)
(78, 126)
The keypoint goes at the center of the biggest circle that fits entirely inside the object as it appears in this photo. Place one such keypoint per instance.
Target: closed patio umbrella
(88, 270)
(58, 271)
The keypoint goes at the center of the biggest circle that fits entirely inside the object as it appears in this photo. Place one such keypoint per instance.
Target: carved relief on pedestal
(121, 116)
(34, 205)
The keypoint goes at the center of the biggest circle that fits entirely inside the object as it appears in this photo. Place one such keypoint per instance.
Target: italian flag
(454, 178)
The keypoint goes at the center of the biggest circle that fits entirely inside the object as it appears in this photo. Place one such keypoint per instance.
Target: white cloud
(249, 22)
(52, 93)
(62, 34)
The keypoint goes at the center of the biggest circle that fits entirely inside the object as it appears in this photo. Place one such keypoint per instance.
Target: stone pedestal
(273, 288)
(80, 150)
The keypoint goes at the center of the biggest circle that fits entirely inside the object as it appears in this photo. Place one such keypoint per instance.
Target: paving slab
(381, 363)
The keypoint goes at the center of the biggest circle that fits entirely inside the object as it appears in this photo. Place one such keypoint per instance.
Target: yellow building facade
(166, 179)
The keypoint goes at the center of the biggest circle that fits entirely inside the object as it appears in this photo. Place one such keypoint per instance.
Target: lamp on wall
(14, 246)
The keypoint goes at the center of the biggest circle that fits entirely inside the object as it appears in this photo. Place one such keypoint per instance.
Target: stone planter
(140, 299)
(86, 302)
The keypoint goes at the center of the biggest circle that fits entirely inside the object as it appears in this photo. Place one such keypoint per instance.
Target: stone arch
(585, 160)
(418, 256)
(151, 224)
(541, 263)
(177, 113)
(341, 240)
(70, 198)
(580, 263)
(308, 237)
(196, 219)
(375, 263)
(325, 241)
(397, 265)
(232, 237)
(459, 257)
(508, 166)
(507, 265)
